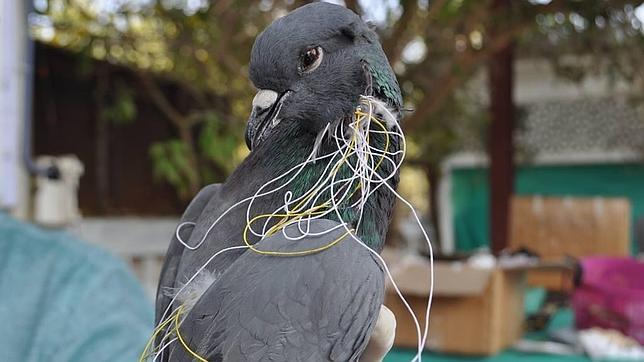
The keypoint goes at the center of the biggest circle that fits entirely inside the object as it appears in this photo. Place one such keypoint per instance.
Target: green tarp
(562, 319)
(470, 196)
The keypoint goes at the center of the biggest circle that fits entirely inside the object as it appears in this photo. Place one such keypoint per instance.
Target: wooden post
(102, 146)
(501, 171)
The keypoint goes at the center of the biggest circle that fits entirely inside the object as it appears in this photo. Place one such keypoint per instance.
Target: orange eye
(310, 59)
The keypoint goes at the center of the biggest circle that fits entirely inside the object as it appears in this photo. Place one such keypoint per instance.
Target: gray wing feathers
(319, 307)
(175, 249)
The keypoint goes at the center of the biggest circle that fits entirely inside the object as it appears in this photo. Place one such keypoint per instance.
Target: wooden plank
(557, 227)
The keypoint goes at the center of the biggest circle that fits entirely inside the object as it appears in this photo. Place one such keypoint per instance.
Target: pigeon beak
(266, 107)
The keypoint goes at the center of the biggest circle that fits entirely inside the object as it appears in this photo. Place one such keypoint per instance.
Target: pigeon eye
(310, 59)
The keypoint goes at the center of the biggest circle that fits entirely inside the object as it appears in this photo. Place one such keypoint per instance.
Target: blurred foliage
(171, 163)
(436, 47)
(122, 108)
(216, 144)
(201, 46)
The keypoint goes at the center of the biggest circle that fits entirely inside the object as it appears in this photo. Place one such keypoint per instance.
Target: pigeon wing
(317, 307)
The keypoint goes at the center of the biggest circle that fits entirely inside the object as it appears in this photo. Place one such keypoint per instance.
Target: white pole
(14, 189)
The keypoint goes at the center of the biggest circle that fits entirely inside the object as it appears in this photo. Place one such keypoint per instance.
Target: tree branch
(455, 75)
(183, 125)
(353, 5)
(399, 37)
(160, 100)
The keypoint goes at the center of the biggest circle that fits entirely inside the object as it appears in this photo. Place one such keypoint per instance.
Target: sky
(376, 10)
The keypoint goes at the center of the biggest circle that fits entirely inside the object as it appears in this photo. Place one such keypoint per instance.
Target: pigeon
(310, 290)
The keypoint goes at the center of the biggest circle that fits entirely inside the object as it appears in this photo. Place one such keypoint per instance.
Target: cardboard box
(474, 311)
(556, 227)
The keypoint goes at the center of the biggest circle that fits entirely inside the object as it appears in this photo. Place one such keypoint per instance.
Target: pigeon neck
(271, 160)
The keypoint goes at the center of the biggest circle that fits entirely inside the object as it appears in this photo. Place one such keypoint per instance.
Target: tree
(178, 41)
(436, 48)
(458, 38)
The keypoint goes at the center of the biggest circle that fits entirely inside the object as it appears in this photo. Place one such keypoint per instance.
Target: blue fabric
(63, 300)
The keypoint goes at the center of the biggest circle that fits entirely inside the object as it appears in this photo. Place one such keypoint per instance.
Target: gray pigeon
(311, 68)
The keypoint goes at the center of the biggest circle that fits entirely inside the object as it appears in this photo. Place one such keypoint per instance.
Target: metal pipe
(50, 171)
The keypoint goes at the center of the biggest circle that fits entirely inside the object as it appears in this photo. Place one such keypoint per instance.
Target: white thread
(364, 171)
(160, 351)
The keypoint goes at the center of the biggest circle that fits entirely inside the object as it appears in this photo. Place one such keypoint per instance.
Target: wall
(65, 122)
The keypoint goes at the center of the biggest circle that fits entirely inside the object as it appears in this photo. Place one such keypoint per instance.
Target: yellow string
(376, 121)
(183, 343)
(145, 354)
(290, 215)
(334, 171)
(293, 214)
(359, 116)
(176, 318)
(285, 253)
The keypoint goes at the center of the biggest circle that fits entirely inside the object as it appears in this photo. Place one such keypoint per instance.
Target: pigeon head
(311, 66)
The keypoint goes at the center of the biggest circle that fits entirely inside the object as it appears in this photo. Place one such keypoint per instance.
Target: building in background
(573, 140)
